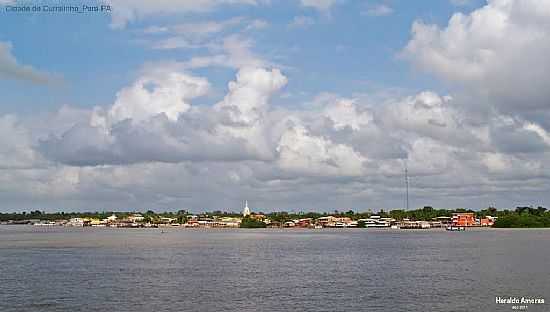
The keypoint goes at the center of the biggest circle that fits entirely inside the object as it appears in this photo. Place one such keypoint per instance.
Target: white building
(76, 222)
(112, 218)
(136, 217)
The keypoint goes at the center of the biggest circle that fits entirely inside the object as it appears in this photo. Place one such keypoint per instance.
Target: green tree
(251, 223)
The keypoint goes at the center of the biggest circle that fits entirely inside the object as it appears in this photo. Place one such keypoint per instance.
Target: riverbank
(426, 217)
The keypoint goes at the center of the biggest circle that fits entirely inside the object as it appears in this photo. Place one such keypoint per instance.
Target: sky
(295, 105)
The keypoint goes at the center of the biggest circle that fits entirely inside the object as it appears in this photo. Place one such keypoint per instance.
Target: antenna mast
(406, 185)
(407, 170)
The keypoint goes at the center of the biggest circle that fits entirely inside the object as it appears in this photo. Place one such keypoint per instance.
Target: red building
(304, 222)
(464, 219)
(487, 221)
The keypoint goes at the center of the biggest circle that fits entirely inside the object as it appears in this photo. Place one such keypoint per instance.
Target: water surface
(101, 269)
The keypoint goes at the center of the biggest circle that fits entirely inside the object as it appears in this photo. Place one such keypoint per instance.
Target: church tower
(246, 210)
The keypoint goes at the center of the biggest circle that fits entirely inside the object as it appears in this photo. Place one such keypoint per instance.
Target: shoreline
(268, 229)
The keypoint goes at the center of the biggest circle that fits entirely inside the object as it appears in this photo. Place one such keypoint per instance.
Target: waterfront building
(230, 222)
(307, 222)
(213, 222)
(443, 220)
(323, 221)
(76, 222)
(112, 218)
(487, 221)
(464, 219)
(424, 224)
(289, 224)
(377, 222)
(96, 222)
(136, 217)
(407, 224)
(79, 222)
(192, 223)
(166, 220)
(331, 221)
(328, 221)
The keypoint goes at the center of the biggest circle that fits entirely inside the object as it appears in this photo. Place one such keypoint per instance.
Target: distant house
(112, 218)
(136, 217)
(257, 216)
(192, 223)
(424, 224)
(289, 224)
(76, 222)
(307, 222)
(228, 222)
(166, 220)
(79, 222)
(443, 220)
(331, 221)
(96, 222)
(324, 221)
(487, 221)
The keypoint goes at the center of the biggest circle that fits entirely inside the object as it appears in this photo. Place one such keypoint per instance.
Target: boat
(455, 228)
(377, 222)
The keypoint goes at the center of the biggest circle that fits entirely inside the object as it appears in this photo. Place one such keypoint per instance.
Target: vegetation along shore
(426, 217)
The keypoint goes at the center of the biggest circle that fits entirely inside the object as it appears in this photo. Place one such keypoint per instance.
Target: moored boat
(456, 228)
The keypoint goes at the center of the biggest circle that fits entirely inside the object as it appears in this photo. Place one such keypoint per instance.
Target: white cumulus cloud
(499, 51)
(156, 93)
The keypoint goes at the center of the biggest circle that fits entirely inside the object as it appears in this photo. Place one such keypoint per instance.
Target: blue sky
(293, 105)
(344, 51)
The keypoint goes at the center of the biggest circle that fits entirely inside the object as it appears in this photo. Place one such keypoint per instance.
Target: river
(102, 269)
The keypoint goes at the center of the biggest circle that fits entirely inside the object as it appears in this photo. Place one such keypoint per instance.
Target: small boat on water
(456, 228)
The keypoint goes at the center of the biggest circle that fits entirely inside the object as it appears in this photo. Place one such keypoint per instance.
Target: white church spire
(246, 210)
